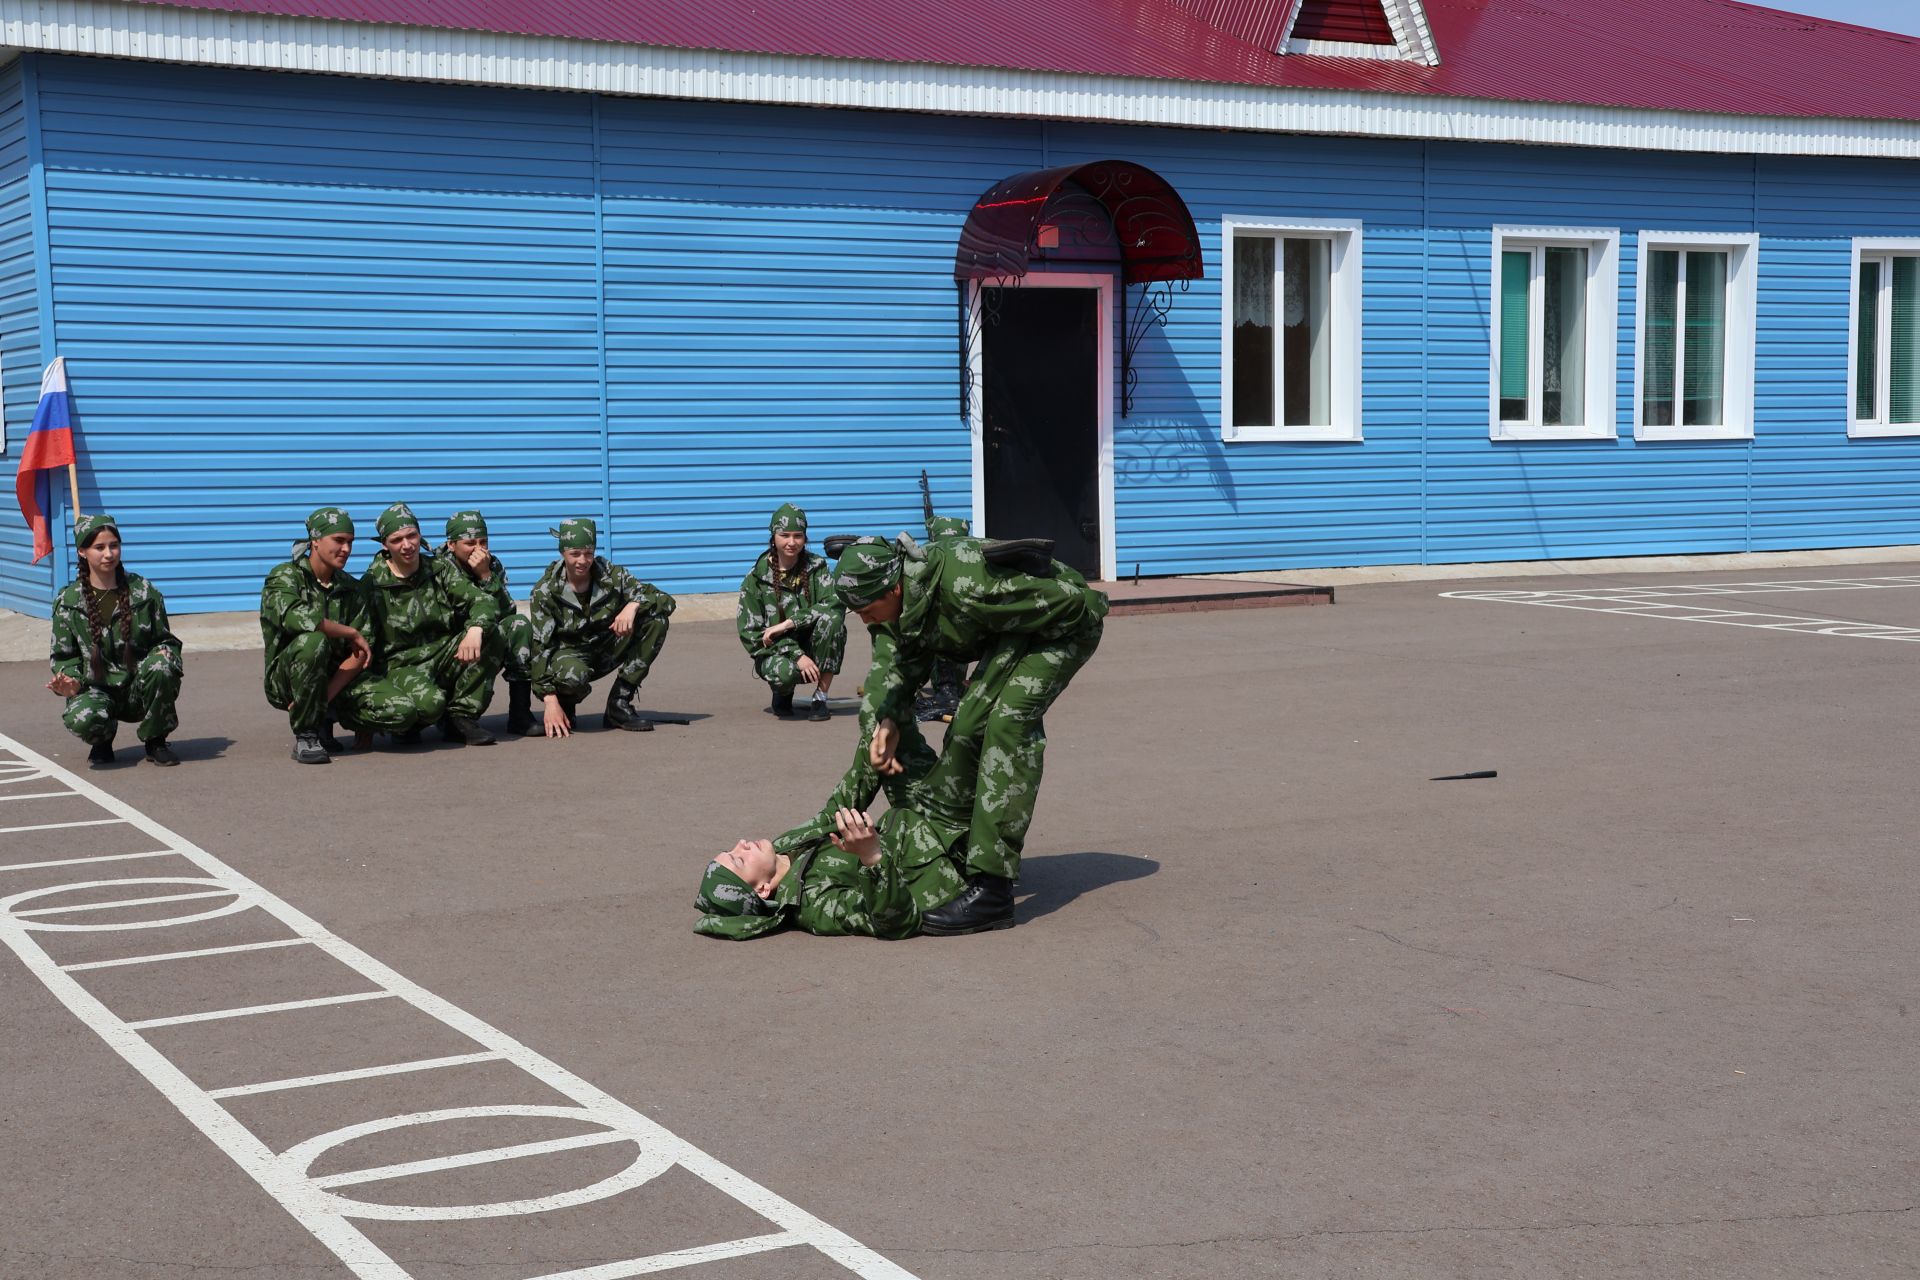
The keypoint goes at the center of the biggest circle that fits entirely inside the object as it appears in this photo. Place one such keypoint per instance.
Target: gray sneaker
(307, 749)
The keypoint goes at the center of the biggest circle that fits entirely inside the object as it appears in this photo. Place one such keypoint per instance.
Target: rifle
(926, 501)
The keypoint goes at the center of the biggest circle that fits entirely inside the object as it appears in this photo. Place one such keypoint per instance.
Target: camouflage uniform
(515, 629)
(805, 596)
(299, 657)
(145, 689)
(574, 643)
(923, 837)
(418, 623)
(947, 680)
(956, 605)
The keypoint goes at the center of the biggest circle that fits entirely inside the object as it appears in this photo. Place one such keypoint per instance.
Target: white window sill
(1662, 435)
(1868, 430)
(1334, 435)
(1520, 431)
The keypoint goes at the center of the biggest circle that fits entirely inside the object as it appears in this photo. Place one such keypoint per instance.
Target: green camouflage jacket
(72, 653)
(955, 605)
(763, 603)
(448, 565)
(293, 602)
(413, 616)
(561, 622)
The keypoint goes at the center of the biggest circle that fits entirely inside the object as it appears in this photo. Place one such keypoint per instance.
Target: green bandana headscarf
(788, 519)
(466, 524)
(946, 527)
(395, 518)
(724, 893)
(577, 532)
(87, 526)
(327, 521)
(729, 908)
(867, 570)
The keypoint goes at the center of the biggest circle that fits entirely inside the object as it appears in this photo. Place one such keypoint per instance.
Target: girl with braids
(114, 656)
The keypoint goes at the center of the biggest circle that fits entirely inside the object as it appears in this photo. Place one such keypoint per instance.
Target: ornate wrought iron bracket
(971, 318)
(1152, 303)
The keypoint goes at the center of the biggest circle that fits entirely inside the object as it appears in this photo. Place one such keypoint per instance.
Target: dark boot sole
(936, 931)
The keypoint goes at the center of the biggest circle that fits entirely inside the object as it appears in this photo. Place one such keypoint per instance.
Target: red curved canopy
(1106, 211)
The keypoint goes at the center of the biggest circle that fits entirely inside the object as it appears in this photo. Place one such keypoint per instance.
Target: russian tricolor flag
(49, 444)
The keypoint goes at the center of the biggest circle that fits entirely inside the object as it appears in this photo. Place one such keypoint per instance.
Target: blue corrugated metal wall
(283, 290)
(23, 584)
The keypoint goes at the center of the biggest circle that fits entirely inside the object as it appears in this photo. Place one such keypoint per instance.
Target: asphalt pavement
(1279, 1003)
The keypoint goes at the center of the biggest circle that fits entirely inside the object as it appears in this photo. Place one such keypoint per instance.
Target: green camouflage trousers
(93, 714)
(516, 638)
(397, 699)
(575, 669)
(297, 680)
(1013, 747)
(825, 642)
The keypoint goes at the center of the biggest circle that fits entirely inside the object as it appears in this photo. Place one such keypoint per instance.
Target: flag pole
(73, 487)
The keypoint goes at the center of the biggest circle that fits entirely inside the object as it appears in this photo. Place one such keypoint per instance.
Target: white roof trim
(111, 28)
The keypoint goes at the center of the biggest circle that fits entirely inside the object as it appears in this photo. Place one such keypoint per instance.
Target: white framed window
(1290, 329)
(1883, 347)
(1556, 333)
(1693, 349)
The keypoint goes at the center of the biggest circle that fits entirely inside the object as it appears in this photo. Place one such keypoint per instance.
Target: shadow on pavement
(1050, 881)
(199, 748)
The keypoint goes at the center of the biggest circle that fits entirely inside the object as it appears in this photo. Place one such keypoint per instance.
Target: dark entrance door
(1039, 373)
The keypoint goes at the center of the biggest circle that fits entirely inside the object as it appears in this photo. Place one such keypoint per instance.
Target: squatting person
(114, 655)
(312, 619)
(592, 617)
(465, 552)
(947, 600)
(434, 647)
(790, 622)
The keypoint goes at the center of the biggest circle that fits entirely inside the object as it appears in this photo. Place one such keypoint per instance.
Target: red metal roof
(1682, 55)
(1360, 21)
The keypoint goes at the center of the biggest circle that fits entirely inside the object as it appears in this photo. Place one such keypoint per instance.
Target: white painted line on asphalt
(61, 826)
(466, 1159)
(74, 862)
(248, 1011)
(358, 1073)
(188, 955)
(286, 1175)
(1634, 602)
(40, 795)
(123, 902)
(678, 1258)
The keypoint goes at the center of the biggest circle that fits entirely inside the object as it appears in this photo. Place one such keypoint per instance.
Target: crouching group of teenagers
(418, 640)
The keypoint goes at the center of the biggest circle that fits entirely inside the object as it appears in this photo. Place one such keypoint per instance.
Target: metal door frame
(1102, 284)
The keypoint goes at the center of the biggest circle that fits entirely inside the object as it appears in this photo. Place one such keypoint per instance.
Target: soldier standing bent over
(946, 600)
(591, 617)
(790, 622)
(435, 650)
(104, 681)
(465, 552)
(311, 618)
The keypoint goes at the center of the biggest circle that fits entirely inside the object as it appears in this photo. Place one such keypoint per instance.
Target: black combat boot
(333, 745)
(411, 738)
(519, 707)
(620, 713)
(307, 749)
(466, 729)
(985, 904)
(160, 753)
(782, 702)
(100, 753)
